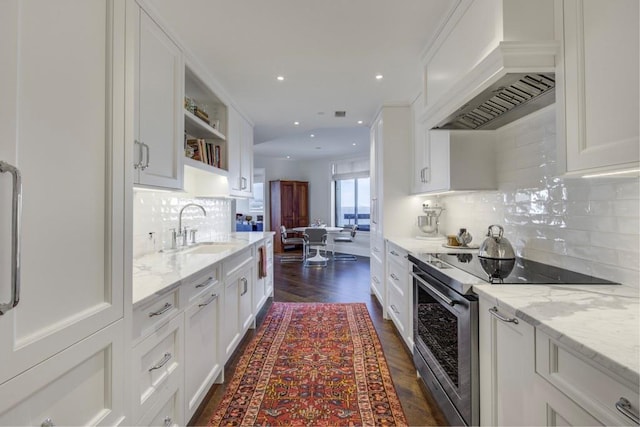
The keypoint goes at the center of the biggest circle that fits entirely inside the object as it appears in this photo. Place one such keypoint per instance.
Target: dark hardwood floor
(340, 281)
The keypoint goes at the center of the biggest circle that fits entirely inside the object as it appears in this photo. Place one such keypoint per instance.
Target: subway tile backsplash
(155, 213)
(588, 225)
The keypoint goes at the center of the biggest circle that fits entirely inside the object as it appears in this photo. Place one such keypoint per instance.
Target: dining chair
(345, 236)
(315, 238)
(286, 240)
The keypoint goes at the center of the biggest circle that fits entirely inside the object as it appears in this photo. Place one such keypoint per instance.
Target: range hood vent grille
(513, 96)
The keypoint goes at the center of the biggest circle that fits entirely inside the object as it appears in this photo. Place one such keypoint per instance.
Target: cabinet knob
(167, 421)
(47, 423)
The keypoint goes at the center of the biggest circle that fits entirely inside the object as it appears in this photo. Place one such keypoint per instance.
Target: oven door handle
(439, 294)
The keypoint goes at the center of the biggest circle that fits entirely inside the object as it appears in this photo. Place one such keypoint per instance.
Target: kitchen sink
(204, 248)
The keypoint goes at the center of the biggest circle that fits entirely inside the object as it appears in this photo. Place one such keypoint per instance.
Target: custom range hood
(513, 80)
(511, 97)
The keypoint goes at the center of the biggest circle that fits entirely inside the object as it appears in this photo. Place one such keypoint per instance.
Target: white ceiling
(329, 52)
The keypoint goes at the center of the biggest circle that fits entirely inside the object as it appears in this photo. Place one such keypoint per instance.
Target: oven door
(445, 336)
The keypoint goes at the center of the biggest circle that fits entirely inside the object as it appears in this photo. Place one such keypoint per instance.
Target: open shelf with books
(205, 125)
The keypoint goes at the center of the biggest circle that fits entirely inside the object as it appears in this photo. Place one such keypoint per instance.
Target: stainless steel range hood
(511, 97)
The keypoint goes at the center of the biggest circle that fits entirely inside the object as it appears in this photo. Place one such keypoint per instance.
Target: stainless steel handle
(394, 277)
(212, 298)
(439, 294)
(245, 285)
(494, 312)
(374, 210)
(394, 253)
(48, 422)
(394, 309)
(138, 164)
(205, 283)
(425, 174)
(16, 232)
(243, 183)
(624, 406)
(166, 307)
(375, 279)
(146, 163)
(161, 363)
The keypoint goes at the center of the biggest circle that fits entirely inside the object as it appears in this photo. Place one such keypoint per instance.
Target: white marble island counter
(601, 322)
(156, 272)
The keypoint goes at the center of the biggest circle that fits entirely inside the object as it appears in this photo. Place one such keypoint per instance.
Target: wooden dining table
(317, 257)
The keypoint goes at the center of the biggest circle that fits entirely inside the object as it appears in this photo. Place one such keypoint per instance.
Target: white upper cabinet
(240, 155)
(453, 161)
(62, 128)
(158, 97)
(598, 90)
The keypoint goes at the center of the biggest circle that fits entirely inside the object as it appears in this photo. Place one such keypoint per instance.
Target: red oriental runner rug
(312, 364)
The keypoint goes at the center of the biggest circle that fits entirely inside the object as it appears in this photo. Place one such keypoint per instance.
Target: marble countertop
(601, 322)
(156, 272)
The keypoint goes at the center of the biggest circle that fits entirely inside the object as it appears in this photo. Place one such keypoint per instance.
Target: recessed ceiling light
(379, 76)
(288, 157)
(354, 144)
(280, 78)
(360, 122)
(312, 136)
(296, 123)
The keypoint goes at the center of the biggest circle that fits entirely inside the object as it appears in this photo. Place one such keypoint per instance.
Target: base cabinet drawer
(157, 363)
(166, 413)
(148, 317)
(591, 386)
(82, 385)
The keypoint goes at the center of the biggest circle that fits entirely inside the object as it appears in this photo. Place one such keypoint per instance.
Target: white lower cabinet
(529, 378)
(506, 367)
(202, 355)
(81, 385)
(157, 365)
(592, 388)
(238, 271)
(399, 292)
(376, 262)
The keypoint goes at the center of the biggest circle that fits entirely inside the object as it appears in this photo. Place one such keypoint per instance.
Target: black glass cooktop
(519, 271)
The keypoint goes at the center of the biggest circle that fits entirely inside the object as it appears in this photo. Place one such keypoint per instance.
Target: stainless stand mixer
(428, 223)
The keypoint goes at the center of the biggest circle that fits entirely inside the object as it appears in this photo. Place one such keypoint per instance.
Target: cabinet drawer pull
(146, 163)
(166, 307)
(394, 277)
(205, 283)
(394, 253)
(47, 423)
(394, 309)
(160, 364)
(212, 298)
(624, 406)
(375, 279)
(167, 422)
(245, 286)
(494, 313)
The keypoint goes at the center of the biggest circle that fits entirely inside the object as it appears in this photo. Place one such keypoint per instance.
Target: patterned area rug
(309, 365)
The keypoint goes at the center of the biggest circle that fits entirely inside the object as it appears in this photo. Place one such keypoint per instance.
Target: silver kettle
(496, 246)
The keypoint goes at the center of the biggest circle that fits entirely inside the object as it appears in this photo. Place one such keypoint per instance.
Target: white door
(61, 127)
(159, 89)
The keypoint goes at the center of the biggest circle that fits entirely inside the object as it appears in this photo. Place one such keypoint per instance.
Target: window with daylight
(352, 193)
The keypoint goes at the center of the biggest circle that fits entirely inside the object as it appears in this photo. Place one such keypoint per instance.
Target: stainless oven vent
(513, 96)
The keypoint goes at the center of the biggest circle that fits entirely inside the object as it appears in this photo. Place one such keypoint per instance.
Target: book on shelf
(206, 152)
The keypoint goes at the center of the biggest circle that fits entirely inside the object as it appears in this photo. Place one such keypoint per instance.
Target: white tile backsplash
(586, 225)
(157, 212)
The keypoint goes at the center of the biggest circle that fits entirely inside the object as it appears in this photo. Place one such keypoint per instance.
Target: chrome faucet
(183, 232)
